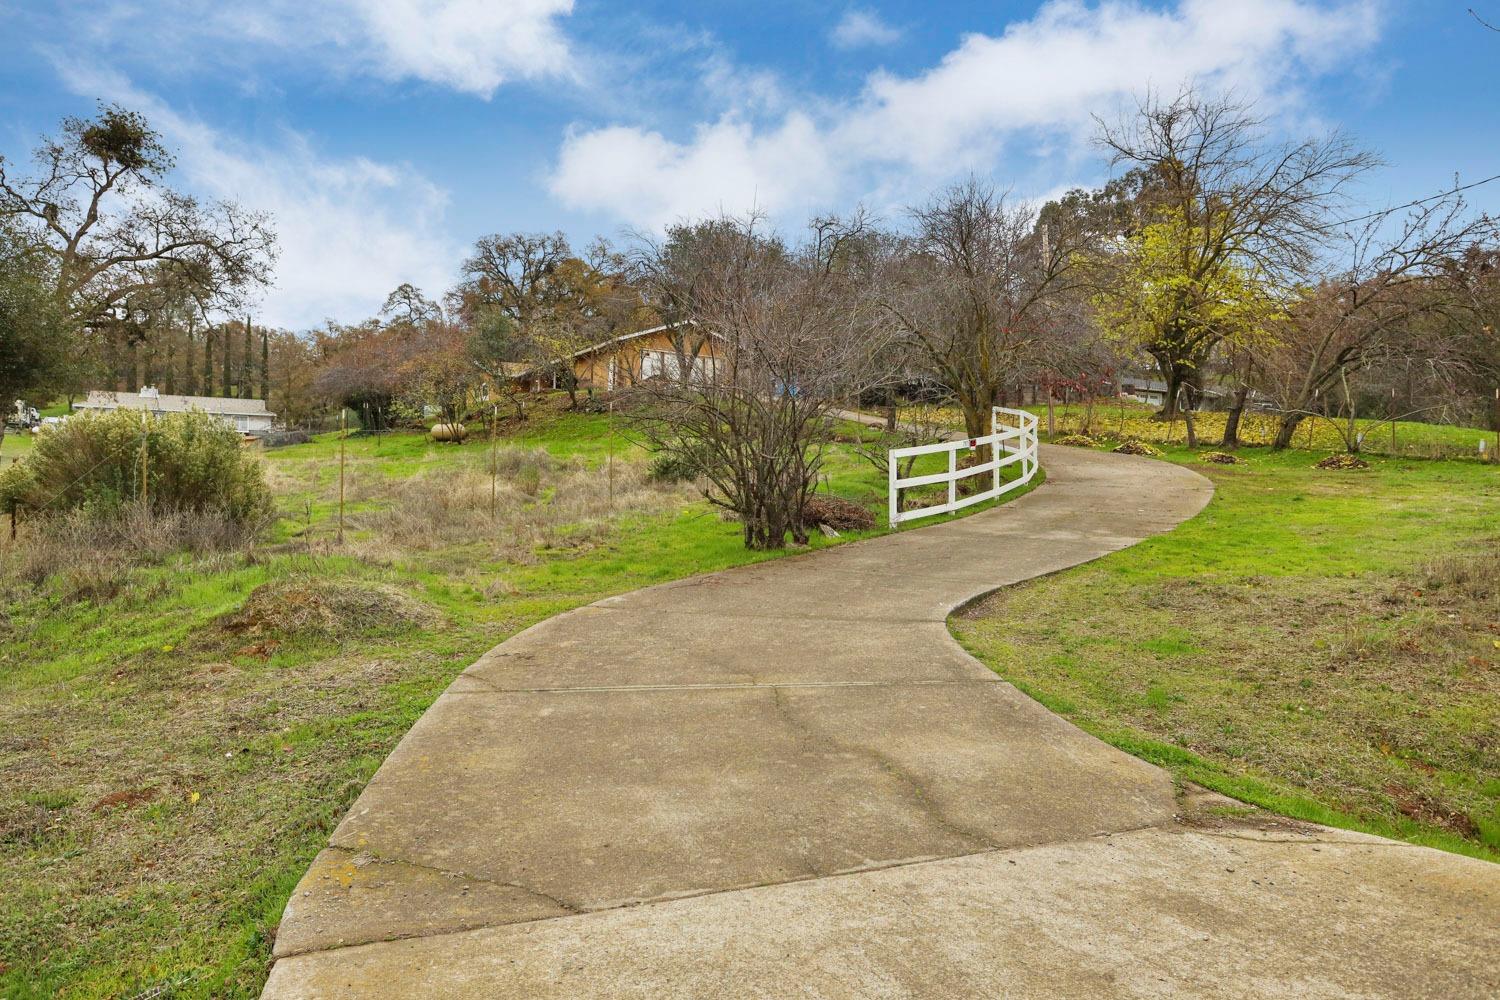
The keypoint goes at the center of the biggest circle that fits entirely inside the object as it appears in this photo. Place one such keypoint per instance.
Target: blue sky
(386, 135)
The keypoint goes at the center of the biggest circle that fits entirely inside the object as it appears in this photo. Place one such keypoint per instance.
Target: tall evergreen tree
(265, 366)
(207, 387)
(228, 362)
(247, 364)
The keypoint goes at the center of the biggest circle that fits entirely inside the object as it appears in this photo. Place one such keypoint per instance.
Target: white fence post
(1008, 445)
(895, 494)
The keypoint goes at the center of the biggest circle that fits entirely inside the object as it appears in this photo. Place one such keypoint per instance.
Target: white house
(249, 416)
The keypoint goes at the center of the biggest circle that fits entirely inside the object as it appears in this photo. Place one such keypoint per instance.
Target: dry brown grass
(535, 501)
(90, 558)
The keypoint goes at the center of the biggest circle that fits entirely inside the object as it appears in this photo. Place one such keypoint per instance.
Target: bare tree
(791, 332)
(1395, 271)
(970, 291)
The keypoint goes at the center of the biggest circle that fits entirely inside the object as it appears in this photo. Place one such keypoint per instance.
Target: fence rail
(1012, 440)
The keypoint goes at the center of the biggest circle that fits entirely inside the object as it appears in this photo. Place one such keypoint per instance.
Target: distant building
(629, 358)
(248, 416)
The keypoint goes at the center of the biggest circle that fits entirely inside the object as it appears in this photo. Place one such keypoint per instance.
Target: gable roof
(155, 402)
(631, 336)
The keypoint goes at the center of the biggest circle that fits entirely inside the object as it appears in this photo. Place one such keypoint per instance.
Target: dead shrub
(836, 513)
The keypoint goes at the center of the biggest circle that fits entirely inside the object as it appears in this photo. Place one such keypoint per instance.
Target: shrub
(672, 467)
(194, 464)
(836, 513)
(1136, 448)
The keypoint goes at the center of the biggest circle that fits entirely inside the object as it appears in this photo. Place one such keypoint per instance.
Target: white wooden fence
(1012, 439)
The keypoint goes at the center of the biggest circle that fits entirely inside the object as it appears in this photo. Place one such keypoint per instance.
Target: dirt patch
(124, 799)
(1425, 809)
(303, 606)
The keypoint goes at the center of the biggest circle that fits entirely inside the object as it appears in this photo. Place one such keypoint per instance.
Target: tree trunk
(1171, 375)
(1284, 431)
(1232, 421)
(133, 378)
(974, 418)
(1192, 428)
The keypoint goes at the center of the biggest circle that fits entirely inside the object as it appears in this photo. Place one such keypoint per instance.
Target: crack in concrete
(727, 686)
(586, 911)
(913, 788)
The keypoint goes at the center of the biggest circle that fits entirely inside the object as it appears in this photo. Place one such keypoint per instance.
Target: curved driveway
(788, 780)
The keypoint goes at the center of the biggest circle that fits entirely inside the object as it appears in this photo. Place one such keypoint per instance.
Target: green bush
(672, 467)
(92, 464)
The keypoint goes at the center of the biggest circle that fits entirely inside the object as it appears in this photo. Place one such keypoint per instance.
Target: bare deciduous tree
(969, 292)
(792, 333)
(1395, 271)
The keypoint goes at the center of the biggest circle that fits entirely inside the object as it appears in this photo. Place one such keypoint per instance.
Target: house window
(655, 363)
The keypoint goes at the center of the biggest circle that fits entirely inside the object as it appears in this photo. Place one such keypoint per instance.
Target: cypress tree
(247, 365)
(207, 387)
(265, 367)
(228, 361)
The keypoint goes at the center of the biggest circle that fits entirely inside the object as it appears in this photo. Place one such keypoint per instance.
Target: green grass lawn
(1116, 419)
(178, 739)
(1322, 643)
(14, 446)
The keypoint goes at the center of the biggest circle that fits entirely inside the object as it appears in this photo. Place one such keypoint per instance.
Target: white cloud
(858, 28)
(647, 180)
(1038, 80)
(472, 46)
(349, 229)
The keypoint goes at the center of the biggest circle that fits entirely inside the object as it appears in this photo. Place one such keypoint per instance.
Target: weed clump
(672, 467)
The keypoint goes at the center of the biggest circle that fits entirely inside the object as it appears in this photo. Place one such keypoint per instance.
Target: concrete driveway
(789, 780)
